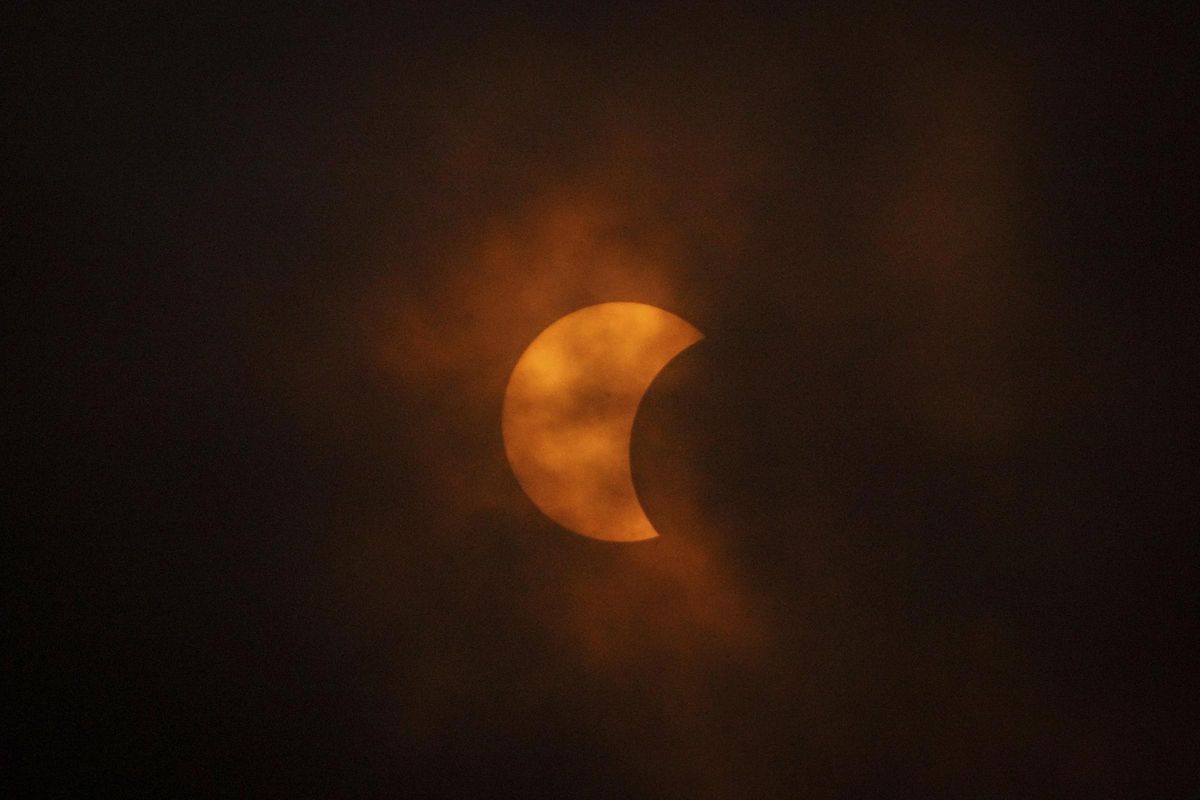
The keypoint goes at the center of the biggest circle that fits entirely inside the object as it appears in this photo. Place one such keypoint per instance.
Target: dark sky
(926, 528)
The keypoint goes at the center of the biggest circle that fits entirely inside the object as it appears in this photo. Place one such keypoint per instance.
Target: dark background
(938, 425)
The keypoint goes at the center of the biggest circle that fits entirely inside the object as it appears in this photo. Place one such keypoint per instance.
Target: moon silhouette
(569, 410)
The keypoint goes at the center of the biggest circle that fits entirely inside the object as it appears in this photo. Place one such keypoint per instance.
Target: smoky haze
(923, 525)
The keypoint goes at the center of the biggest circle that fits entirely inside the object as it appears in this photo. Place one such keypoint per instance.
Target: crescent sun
(569, 410)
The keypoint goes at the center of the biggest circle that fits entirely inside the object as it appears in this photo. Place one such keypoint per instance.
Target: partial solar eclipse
(569, 410)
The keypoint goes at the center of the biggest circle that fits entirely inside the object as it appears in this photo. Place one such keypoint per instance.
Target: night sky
(926, 526)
